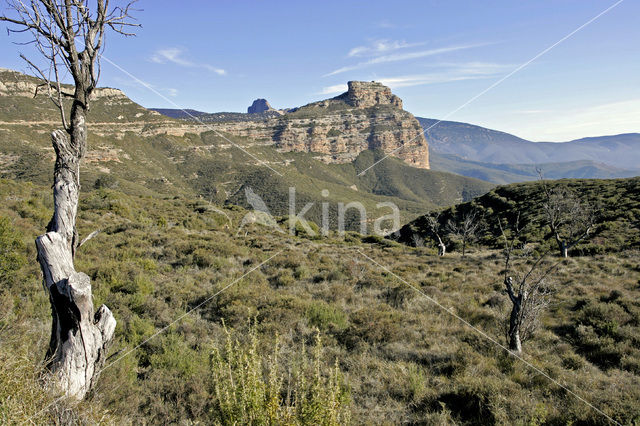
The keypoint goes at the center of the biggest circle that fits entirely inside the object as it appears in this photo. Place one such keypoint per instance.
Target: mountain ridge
(476, 143)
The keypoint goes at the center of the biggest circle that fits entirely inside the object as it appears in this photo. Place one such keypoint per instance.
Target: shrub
(11, 249)
(248, 389)
(325, 316)
(106, 181)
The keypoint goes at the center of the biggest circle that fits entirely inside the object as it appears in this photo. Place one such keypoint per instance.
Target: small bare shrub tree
(466, 229)
(69, 36)
(527, 283)
(570, 219)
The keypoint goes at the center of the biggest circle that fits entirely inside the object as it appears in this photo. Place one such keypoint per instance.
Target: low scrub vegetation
(318, 333)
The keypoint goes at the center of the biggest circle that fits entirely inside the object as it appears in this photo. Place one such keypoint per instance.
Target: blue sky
(436, 55)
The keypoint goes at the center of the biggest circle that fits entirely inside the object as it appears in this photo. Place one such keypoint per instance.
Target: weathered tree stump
(79, 337)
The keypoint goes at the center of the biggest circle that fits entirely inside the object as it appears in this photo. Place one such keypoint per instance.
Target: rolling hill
(616, 201)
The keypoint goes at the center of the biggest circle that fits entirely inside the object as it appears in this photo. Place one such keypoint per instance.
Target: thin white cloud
(381, 46)
(175, 55)
(329, 90)
(385, 24)
(132, 84)
(604, 119)
(447, 73)
(395, 57)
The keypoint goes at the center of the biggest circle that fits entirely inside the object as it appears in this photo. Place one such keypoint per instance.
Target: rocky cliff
(367, 116)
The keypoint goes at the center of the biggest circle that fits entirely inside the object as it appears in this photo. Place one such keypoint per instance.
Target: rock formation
(367, 116)
(363, 94)
(258, 106)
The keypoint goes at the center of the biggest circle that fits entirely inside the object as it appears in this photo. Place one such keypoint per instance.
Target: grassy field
(387, 352)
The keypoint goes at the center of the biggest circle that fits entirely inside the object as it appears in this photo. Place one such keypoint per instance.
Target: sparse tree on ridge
(527, 283)
(570, 219)
(69, 36)
(466, 229)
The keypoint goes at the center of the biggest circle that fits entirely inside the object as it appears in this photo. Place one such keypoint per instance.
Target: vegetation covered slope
(399, 357)
(616, 203)
(144, 152)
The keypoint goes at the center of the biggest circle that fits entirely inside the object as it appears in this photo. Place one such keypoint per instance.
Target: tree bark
(79, 338)
(564, 249)
(514, 328)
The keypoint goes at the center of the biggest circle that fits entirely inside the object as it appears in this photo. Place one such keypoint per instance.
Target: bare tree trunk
(514, 328)
(79, 338)
(564, 249)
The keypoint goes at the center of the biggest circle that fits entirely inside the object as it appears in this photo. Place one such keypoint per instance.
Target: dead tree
(466, 229)
(69, 36)
(433, 223)
(570, 219)
(527, 284)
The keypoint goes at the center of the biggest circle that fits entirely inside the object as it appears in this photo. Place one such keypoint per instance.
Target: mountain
(477, 143)
(368, 116)
(143, 152)
(511, 173)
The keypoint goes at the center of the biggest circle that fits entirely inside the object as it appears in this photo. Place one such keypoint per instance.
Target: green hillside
(616, 201)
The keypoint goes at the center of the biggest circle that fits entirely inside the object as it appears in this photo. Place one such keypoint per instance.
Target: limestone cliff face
(367, 116)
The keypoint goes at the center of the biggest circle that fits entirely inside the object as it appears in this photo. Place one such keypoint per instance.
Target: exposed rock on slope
(364, 95)
(367, 116)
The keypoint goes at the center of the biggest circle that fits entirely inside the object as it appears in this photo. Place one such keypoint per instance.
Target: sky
(446, 59)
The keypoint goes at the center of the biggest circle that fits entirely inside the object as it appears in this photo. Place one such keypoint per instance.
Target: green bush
(325, 316)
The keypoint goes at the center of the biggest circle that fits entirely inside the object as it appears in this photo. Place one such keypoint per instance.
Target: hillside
(490, 146)
(395, 356)
(145, 152)
(617, 202)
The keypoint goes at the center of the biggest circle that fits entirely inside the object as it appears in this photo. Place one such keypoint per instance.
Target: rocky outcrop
(258, 106)
(362, 94)
(13, 83)
(367, 116)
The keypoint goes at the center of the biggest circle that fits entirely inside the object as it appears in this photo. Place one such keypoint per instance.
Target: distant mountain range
(502, 158)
